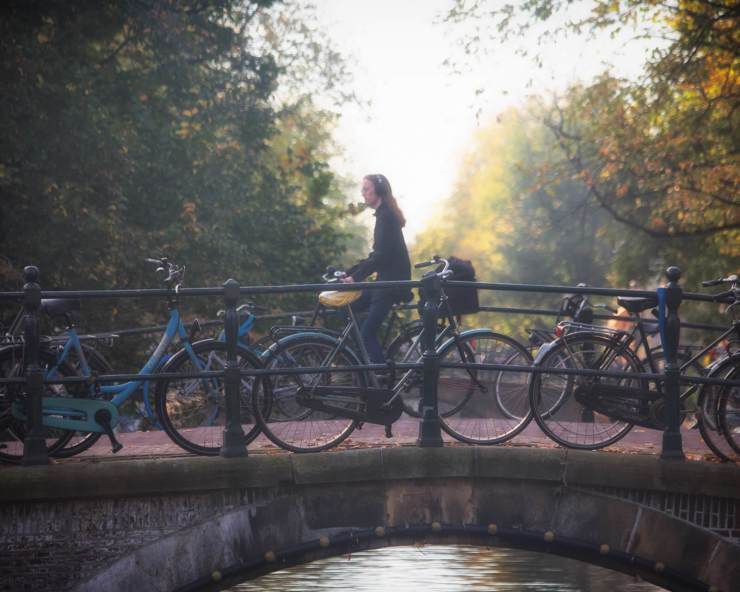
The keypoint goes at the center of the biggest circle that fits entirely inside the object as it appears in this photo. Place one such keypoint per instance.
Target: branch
(577, 164)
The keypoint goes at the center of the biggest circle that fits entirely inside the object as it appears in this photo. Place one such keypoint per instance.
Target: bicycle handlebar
(333, 275)
(731, 296)
(164, 265)
(435, 260)
(246, 308)
(444, 273)
(730, 279)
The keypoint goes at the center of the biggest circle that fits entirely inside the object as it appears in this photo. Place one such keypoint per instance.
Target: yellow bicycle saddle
(337, 299)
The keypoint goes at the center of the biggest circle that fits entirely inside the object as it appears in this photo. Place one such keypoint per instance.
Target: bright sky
(422, 117)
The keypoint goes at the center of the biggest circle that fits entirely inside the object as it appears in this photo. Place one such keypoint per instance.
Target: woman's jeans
(378, 304)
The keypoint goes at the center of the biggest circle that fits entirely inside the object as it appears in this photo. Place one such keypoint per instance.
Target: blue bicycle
(191, 410)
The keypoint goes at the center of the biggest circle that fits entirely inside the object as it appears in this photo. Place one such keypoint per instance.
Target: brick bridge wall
(164, 524)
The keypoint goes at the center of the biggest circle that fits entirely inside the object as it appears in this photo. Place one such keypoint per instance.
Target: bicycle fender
(469, 333)
(544, 348)
(716, 367)
(313, 335)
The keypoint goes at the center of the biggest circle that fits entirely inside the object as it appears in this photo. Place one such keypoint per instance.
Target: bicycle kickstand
(102, 418)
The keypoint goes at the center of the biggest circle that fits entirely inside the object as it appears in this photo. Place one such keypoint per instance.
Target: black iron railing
(35, 451)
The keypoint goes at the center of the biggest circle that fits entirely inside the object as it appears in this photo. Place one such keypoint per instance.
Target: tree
(514, 229)
(661, 155)
(136, 129)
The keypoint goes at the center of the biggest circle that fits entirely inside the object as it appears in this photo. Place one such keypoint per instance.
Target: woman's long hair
(383, 190)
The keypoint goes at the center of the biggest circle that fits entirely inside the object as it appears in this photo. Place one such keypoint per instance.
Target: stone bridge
(209, 523)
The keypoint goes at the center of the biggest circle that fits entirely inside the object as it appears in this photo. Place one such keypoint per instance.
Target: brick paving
(405, 433)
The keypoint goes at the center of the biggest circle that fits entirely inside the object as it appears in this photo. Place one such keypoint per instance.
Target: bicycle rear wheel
(287, 420)
(193, 410)
(467, 398)
(12, 430)
(711, 423)
(729, 414)
(553, 396)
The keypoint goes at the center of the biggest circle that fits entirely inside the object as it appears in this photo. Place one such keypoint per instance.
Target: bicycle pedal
(359, 425)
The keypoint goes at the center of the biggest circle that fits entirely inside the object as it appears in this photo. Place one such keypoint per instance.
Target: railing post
(670, 335)
(430, 434)
(34, 443)
(234, 440)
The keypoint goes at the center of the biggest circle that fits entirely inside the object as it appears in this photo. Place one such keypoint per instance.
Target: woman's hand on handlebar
(333, 275)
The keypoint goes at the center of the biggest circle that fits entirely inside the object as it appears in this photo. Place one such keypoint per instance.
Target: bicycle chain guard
(373, 400)
(638, 406)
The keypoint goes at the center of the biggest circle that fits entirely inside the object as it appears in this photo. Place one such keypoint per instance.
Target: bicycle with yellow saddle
(316, 410)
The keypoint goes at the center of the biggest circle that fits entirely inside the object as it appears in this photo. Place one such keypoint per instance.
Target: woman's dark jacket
(389, 257)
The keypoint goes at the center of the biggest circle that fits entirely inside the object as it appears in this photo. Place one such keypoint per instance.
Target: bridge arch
(321, 505)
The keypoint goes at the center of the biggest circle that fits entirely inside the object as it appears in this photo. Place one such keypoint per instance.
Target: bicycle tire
(13, 431)
(192, 411)
(729, 412)
(301, 428)
(466, 397)
(710, 426)
(566, 421)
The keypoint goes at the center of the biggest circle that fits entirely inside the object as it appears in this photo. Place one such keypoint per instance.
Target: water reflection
(447, 569)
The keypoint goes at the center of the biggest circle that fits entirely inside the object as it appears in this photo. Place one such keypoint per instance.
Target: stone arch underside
(291, 524)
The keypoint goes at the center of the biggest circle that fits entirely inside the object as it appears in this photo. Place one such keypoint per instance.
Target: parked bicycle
(63, 355)
(316, 411)
(719, 405)
(576, 307)
(590, 412)
(191, 410)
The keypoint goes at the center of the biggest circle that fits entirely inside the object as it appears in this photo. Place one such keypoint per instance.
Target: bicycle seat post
(430, 431)
(34, 444)
(233, 443)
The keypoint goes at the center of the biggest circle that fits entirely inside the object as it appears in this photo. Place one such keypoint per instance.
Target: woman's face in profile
(368, 194)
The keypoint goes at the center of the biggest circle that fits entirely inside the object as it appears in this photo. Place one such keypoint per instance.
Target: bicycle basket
(462, 301)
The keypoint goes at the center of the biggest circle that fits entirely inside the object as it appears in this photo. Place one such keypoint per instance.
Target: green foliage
(516, 222)
(659, 155)
(142, 129)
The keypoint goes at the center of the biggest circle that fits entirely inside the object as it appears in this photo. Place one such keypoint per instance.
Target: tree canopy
(659, 154)
(164, 127)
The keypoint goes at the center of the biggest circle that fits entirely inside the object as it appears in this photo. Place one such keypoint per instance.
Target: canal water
(446, 569)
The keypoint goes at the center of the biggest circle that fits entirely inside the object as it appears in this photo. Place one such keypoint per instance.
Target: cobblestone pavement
(405, 433)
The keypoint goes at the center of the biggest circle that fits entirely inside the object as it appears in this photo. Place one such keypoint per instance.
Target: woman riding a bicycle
(389, 259)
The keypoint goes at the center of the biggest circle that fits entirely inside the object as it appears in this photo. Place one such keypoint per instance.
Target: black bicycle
(591, 412)
(325, 407)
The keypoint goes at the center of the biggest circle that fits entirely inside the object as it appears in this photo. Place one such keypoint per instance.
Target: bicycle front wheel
(193, 410)
(468, 397)
(729, 413)
(564, 406)
(289, 420)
